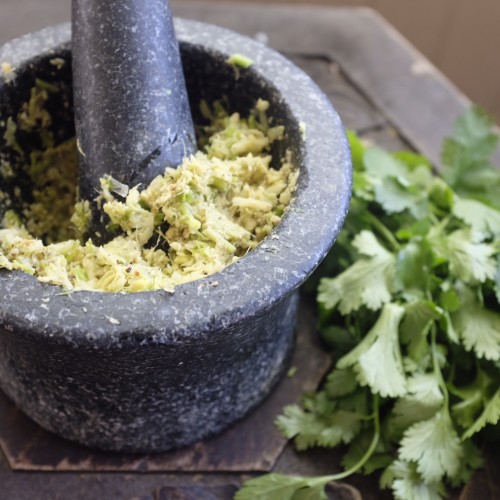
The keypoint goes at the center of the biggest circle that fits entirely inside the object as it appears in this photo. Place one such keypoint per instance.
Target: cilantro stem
(382, 230)
(363, 459)
(437, 369)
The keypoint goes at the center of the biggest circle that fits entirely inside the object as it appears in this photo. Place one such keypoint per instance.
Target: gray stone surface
(153, 370)
(131, 106)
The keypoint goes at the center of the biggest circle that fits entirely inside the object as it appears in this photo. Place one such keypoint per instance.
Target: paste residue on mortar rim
(187, 224)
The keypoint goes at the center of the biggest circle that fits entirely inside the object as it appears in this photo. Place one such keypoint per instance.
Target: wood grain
(469, 51)
(422, 22)
(459, 36)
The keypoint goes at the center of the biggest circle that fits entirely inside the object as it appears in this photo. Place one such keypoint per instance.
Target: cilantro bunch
(409, 304)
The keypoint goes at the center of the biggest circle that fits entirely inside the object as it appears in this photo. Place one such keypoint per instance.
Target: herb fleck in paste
(189, 223)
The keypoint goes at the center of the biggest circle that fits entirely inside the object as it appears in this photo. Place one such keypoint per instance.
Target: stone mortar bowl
(151, 371)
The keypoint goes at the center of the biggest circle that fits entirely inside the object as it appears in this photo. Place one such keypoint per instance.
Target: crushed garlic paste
(187, 224)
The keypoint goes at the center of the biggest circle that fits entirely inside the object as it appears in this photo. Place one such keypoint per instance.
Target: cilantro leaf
(380, 164)
(466, 155)
(412, 160)
(413, 229)
(362, 186)
(311, 492)
(419, 314)
(497, 281)
(449, 300)
(423, 400)
(310, 429)
(414, 263)
(337, 337)
(398, 185)
(367, 244)
(381, 342)
(490, 415)
(357, 150)
(394, 198)
(466, 411)
(280, 487)
(474, 129)
(340, 383)
(470, 260)
(450, 329)
(407, 484)
(478, 328)
(434, 445)
(478, 216)
(368, 282)
(441, 194)
(472, 460)
(425, 386)
(407, 305)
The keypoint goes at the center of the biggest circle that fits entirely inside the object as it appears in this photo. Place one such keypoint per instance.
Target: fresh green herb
(409, 303)
(43, 85)
(10, 136)
(240, 60)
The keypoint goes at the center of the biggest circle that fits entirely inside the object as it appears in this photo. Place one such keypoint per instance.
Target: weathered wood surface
(389, 94)
(418, 100)
(459, 36)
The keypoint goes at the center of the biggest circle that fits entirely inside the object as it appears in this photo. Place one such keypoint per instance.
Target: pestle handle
(132, 112)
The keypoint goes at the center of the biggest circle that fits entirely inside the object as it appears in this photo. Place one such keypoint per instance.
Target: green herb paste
(187, 224)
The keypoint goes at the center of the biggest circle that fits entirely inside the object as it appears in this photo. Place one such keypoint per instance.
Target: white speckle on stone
(46, 299)
(58, 62)
(303, 127)
(84, 309)
(113, 321)
(7, 71)
(421, 67)
(262, 37)
(79, 147)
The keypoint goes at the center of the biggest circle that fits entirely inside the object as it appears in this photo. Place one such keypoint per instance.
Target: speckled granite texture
(128, 89)
(152, 370)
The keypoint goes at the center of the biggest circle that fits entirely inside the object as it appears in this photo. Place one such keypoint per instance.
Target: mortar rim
(328, 176)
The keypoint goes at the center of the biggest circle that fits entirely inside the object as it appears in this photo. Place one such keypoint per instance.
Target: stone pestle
(132, 112)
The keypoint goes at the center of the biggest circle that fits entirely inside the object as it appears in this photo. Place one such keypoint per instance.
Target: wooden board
(459, 36)
(469, 66)
(415, 97)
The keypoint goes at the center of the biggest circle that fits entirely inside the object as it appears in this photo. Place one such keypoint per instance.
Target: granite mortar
(152, 371)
